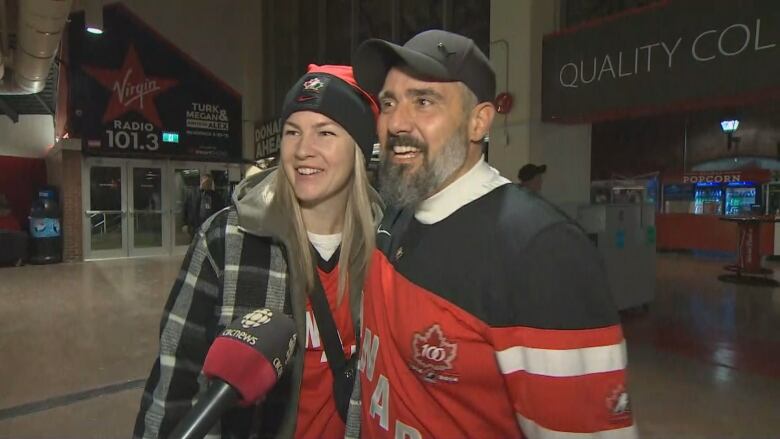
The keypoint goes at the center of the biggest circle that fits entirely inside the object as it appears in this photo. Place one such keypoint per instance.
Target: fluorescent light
(94, 30)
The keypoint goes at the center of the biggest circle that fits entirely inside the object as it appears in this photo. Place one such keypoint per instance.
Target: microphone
(242, 364)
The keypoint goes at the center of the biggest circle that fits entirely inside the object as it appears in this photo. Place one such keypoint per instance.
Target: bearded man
(486, 310)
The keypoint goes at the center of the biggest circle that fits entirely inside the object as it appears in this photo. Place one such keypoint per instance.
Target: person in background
(531, 176)
(487, 312)
(200, 204)
(307, 225)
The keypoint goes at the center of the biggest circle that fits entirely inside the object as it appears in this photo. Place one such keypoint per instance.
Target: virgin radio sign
(133, 93)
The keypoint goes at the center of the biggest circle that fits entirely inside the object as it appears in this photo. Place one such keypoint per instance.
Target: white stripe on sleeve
(532, 430)
(562, 362)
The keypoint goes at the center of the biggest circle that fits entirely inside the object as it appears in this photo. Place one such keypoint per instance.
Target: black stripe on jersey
(330, 264)
(511, 259)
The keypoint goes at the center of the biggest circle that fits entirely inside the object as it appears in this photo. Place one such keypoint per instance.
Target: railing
(103, 223)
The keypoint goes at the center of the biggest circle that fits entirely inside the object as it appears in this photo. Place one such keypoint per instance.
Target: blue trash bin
(45, 230)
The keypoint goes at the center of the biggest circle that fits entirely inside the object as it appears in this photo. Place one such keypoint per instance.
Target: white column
(520, 137)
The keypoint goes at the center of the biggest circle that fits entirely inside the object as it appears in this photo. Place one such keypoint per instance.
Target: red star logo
(132, 89)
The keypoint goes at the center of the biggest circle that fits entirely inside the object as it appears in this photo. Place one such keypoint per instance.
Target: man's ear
(481, 119)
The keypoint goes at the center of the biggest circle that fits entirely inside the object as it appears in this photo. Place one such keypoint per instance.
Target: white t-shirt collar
(478, 181)
(325, 245)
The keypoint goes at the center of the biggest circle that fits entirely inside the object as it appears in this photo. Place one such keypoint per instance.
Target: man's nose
(399, 121)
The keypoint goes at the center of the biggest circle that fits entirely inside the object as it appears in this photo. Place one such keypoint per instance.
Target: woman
(309, 223)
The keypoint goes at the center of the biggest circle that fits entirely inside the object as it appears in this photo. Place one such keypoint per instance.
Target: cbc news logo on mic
(256, 318)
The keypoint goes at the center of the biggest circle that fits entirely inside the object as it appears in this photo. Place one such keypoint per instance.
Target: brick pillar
(72, 211)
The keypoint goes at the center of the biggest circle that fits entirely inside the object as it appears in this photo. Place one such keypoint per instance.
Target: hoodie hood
(257, 214)
(252, 198)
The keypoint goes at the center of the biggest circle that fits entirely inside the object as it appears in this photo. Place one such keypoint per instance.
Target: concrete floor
(76, 341)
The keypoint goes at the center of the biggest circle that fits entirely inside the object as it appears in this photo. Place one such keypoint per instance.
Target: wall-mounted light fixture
(729, 126)
(93, 16)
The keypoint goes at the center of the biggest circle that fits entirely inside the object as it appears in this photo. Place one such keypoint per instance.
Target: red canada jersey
(317, 415)
(495, 322)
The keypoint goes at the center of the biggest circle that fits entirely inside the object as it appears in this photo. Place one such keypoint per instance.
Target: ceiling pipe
(40, 27)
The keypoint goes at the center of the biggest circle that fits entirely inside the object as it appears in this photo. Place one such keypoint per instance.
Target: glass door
(126, 208)
(189, 178)
(186, 183)
(221, 182)
(148, 209)
(104, 195)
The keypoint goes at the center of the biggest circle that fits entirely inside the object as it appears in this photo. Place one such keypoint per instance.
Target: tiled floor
(75, 339)
(69, 328)
(705, 359)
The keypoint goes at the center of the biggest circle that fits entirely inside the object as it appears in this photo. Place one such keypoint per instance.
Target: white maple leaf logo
(432, 350)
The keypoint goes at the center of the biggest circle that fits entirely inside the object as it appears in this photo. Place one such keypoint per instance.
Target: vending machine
(625, 236)
(708, 199)
(743, 199)
(45, 232)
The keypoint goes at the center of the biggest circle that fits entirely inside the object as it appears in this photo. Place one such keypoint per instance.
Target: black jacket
(199, 205)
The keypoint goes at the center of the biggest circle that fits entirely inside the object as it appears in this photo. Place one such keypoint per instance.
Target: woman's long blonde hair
(357, 240)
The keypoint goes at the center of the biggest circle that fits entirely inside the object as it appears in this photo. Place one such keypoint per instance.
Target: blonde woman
(288, 232)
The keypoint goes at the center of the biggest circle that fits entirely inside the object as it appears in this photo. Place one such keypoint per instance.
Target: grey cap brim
(374, 58)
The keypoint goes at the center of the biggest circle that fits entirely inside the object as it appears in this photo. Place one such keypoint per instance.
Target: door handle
(107, 212)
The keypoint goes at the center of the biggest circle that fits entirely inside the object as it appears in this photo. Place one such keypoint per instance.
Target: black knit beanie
(333, 92)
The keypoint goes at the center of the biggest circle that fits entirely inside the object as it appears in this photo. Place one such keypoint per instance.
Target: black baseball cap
(530, 171)
(435, 55)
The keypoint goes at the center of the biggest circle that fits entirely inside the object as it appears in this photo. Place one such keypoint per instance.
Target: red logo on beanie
(313, 84)
(345, 74)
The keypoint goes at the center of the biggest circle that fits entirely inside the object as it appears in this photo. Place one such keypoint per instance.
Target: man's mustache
(404, 140)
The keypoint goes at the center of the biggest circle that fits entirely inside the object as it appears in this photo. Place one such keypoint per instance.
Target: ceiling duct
(39, 30)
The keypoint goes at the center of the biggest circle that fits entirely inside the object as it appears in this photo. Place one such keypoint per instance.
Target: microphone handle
(198, 422)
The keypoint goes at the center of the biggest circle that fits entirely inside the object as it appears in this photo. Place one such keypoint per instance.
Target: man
(530, 177)
(486, 311)
(201, 204)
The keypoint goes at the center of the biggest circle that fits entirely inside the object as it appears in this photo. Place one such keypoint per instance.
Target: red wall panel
(705, 232)
(20, 179)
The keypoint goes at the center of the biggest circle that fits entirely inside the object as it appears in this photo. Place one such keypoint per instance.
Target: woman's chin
(308, 198)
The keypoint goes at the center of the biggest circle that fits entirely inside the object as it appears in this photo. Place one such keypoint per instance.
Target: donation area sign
(268, 138)
(132, 93)
(679, 54)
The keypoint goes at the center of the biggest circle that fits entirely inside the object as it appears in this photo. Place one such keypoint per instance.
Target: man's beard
(401, 187)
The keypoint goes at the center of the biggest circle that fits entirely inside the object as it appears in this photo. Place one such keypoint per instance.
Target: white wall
(223, 36)
(33, 136)
(564, 148)
(214, 33)
(566, 152)
(511, 134)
